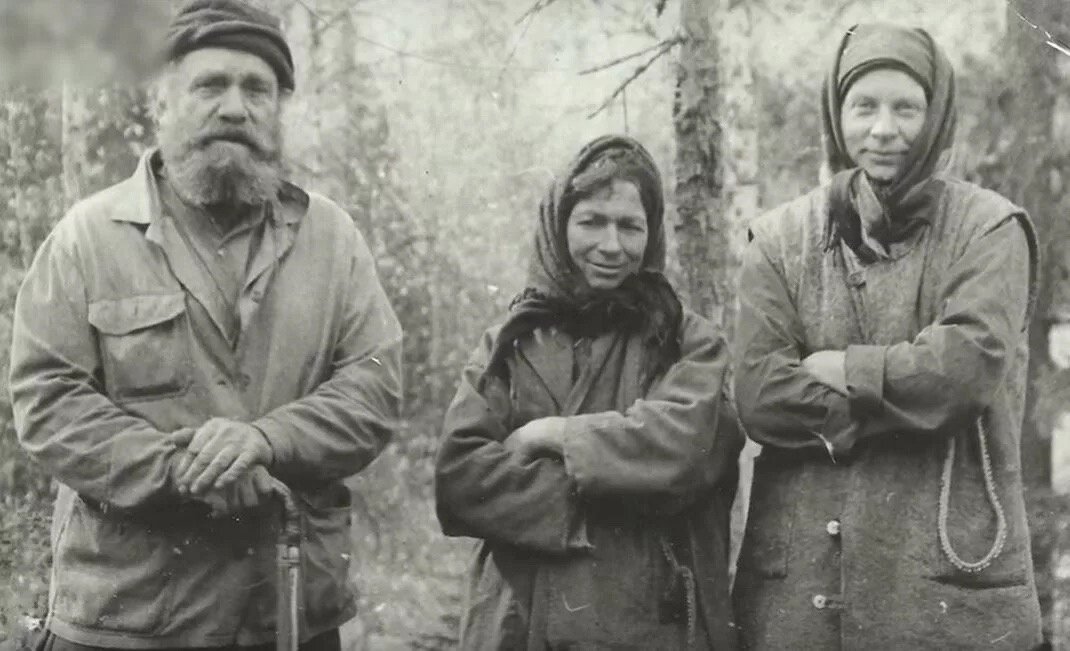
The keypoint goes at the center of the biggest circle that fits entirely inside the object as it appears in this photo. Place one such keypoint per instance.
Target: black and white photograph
(534, 325)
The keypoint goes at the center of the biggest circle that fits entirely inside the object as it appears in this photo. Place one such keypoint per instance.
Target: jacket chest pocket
(144, 345)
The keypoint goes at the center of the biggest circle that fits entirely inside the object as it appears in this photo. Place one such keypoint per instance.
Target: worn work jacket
(571, 552)
(856, 513)
(106, 365)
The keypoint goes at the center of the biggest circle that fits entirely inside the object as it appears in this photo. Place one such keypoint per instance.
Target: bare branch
(326, 23)
(311, 10)
(627, 57)
(1049, 39)
(834, 16)
(665, 48)
(534, 9)
(512, 50)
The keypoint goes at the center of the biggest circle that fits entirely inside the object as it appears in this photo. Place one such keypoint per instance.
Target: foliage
(24, 560)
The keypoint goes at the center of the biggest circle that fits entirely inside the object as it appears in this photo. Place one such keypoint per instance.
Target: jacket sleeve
(483, 491)
(945, 376)
(780, 403)
(948, 374)
(63, 417)
(344, 424)
(668, 447)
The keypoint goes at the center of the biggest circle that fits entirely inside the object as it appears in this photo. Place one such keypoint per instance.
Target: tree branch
(833, 18)
(627, 57)
(1049, 39)
(512, 51)
(534, 9)
(326, 23)
(666, 46)
(311, 10)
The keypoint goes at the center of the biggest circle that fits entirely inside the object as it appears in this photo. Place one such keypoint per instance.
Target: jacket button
(820, 601)
(833, 527)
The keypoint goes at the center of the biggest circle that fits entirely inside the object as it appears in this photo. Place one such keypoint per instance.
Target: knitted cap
(231, 24)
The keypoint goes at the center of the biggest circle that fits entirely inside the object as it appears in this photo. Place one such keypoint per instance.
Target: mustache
(241, 136)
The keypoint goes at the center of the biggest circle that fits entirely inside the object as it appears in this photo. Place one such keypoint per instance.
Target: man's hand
(542, 437)
(221, 452)
(829, 367)
(1059, 345)
(253, 490)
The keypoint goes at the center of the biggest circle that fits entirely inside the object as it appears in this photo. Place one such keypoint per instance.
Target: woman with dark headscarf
(590, 445)
(882, 360)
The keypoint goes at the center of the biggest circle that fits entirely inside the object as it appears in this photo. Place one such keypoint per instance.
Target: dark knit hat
(231, 24)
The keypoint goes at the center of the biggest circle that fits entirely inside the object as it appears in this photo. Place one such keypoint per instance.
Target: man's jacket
(116, 347)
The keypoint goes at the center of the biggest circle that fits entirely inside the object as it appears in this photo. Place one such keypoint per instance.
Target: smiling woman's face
(607, 234)
(882, 114)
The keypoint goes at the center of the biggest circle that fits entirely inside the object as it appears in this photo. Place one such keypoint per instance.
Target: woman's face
(882, 114)
(607, 234)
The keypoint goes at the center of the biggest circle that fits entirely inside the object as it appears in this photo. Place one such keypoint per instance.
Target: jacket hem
(139, 640)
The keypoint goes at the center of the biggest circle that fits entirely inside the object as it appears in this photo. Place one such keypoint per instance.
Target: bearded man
(186, 336)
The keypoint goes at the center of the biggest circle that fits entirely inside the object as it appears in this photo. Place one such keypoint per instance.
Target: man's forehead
(219, 60)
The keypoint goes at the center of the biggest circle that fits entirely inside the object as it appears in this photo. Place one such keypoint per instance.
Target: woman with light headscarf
(882, 359)
(590, 445)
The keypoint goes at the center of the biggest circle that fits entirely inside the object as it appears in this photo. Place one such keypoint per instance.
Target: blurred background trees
(439, 124)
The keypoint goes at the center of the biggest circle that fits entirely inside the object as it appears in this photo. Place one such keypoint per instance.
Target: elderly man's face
(219, 128)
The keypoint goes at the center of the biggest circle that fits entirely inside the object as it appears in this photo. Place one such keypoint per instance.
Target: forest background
(439, 123)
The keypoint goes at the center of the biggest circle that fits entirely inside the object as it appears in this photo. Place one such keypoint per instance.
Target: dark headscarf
(557, 293)
(231, 24)
(912, 50)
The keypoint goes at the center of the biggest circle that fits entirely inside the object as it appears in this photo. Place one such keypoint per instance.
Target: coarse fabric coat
(571, 550)
(107, 362)
(842, 548)
(621, 541)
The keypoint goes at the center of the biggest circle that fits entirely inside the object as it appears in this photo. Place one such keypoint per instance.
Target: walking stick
(288, 577)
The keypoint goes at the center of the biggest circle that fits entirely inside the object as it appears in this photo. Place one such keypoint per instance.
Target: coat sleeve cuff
(279, 439)
(576, 536)
(578, 456)
(840, 432)
(864, 370)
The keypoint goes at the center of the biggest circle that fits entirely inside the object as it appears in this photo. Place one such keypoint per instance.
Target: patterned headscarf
(912, 50)
(557, 293)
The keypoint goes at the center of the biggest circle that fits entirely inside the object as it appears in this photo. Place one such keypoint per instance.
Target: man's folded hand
(219, 454)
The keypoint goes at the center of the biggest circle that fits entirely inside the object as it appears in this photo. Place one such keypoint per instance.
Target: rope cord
(688, 578)
(993, 500)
